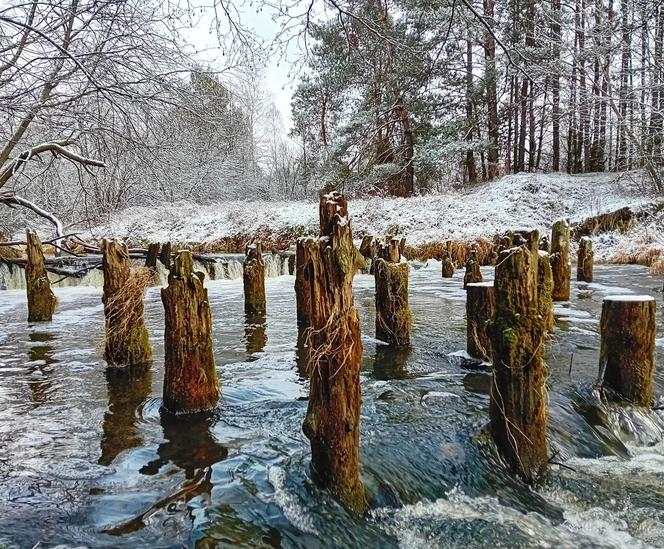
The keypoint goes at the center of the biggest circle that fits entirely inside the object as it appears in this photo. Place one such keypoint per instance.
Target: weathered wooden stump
(544, 244)
(402, 245)
(518, 395)
(165, 255)
(390, 251)
(332, 423)
(41, 299)
(369, 247)
(127, 342)
(545, 290)
(254, 279)
(304, 277)
(585, 257)
(480, 307)
(393, 317)
(152, 256)
(190, 379)
(627, 350)
(448, 266)
(560, 262)
(473, 273)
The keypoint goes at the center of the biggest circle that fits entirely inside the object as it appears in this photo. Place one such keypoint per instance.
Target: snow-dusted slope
(523, 200)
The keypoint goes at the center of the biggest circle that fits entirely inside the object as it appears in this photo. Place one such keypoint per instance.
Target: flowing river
(87, 461)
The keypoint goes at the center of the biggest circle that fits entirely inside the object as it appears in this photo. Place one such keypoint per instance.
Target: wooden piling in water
(253, 275)
(393, 317)
(585, 258)
(473, 273)
(390, 251)
(545, 291)
(480, 307)
(447, 265)
(627, 349)
(41, 299)
(190, 379)
(304, 275)
(560, 261)
(332, 422)
(518, 394)
(165, 255)
(152, 256)
(126, 339)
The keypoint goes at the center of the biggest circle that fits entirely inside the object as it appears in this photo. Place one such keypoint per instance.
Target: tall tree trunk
(555, 85)
(471, 170)
(491, 96)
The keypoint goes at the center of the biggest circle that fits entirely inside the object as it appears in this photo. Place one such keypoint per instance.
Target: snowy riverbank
(523, 200)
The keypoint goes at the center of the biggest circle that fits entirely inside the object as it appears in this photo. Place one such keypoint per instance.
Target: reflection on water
(255, 336)
(39, 370)
(128, 388)
(86, 458)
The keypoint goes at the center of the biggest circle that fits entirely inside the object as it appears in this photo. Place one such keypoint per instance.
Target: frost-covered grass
(517, 201)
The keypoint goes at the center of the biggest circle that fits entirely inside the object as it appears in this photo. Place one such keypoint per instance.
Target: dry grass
(650, 257)
(619, 220)
(459, 251)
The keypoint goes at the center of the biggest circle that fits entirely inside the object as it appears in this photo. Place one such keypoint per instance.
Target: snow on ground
(517, 201)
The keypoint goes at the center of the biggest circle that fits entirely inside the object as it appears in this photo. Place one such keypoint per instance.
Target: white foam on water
(293, 510)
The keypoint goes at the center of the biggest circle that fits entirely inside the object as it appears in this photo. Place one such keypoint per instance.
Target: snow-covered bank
(523, 200)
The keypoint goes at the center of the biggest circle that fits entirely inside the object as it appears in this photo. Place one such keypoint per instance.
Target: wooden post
(127, 342)
(518, 394)
(254, 280)
(390, 251)
(584, 265)
(480, 306)
(545, 290)
(304, 275)
(544, 244)
(152, 256)
(473, 273)
(41, 299)
(627, 349)
(332, 423)
(393, 317)
(560, 262)
(448, 266)
(165, 255)
(190, 379)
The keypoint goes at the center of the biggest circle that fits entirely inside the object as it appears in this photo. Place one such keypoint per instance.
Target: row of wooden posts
(508, 322)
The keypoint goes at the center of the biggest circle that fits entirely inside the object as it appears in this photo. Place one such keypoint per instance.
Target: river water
(87, 461)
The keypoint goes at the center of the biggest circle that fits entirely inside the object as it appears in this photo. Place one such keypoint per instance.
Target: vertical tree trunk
(627, 350)
(393, 317)
(555, 85)
(253, 272)
(584, 266)
(471, 169)
(560, 261)
(491, 96)
(190, 379)
(41, 300)
(518, 393)
(480, 308)
(332, 423)
(127, 340)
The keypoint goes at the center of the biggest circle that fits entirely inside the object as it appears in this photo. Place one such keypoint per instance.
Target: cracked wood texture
(41, 299)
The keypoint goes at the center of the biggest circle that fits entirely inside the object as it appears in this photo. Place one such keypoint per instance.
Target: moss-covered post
(393, 317)
(127, 342)
(332, 423)
(518, 394)
(304, 275)
(585, 257)
(560, 261)
(473, 273)
(545, 290)
(254, 280)
(480, 306)
(627, 349)
(448, 266)
(41, 299)
(165, 255)
(190, 379)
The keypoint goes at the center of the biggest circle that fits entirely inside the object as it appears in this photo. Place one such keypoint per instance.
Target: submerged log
(480, 306)
(165, 255)
(585, 257)
(254, 280)
(448, 266)
(627, 350)
(41, 299)
(473, 273)
(127, 342)
(304, 276)
(332, 423)
(190, 379)
(560, 261)
(518, 394)
(544, 291)
(393, 317)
